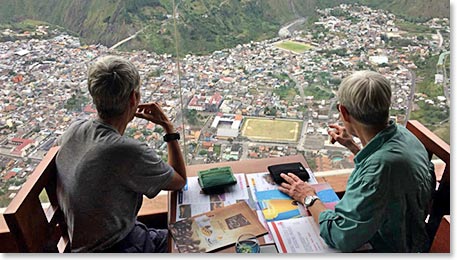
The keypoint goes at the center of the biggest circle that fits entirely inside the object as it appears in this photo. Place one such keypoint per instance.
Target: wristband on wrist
(171, 137)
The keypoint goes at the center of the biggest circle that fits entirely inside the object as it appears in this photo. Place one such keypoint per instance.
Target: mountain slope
(418, 9)
(203, 25)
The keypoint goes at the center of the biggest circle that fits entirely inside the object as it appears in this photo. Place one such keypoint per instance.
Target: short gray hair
(367, 97)
(111, 80)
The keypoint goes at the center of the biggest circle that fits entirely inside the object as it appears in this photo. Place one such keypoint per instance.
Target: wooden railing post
(440, 205)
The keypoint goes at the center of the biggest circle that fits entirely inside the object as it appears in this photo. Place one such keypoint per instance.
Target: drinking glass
(247, 243)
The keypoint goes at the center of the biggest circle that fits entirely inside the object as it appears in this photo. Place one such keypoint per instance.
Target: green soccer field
(271, 130)
(293, 46)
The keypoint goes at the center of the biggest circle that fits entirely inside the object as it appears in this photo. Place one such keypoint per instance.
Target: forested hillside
(203, 25)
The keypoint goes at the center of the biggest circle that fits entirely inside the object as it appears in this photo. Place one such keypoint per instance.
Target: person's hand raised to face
(154, 113)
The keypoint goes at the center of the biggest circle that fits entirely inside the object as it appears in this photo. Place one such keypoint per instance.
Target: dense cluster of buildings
(43, 89)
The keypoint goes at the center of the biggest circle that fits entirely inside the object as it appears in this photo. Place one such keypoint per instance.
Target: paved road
(411, 95)
(285, 30)
(442, 67)
(302, 139)
(441, 38)
(127, 39)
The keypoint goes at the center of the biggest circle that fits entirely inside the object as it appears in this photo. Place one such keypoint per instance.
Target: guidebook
(215, 229)
(271, 204)
(301, 235)
(298, 235)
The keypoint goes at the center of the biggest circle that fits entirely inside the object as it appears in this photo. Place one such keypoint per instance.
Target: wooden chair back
(37, 229)
(442, 241)
(440, 204)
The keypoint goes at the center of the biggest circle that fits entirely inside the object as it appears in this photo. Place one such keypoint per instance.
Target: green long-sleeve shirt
(386, 197)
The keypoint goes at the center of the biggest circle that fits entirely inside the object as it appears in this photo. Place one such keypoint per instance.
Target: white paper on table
(260, 182)
(239, 191)
(192, 193)
(199, 208)
(312, 178)
(187, 210)
(192, 201)
(298, 235)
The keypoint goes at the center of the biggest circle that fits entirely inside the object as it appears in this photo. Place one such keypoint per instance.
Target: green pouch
(213, 181)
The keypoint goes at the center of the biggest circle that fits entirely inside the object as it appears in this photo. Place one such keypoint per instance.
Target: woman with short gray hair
(388, 192)
(103, 175)
(111, 80)
(367, 95)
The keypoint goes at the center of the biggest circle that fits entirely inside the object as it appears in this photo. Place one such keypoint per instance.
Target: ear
(133, 97)
(345, 113)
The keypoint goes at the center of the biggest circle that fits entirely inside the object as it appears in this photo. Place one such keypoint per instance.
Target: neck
(119, 123)
(366, 133)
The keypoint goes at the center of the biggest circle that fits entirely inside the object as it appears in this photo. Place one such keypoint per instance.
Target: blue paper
(271, 195)
(327, 196)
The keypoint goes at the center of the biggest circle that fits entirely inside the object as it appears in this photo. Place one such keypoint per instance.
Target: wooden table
(162, 209)
(247, 167)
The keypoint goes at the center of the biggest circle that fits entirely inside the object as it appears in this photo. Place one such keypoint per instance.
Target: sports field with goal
(271, 129)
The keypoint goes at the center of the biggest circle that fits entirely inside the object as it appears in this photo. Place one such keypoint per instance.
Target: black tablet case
(295, 168)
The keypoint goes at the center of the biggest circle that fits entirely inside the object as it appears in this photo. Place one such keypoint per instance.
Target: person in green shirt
(388, 193)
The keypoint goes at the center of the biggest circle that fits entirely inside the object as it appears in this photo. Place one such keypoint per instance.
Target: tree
(158, 130)
(191, 115)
